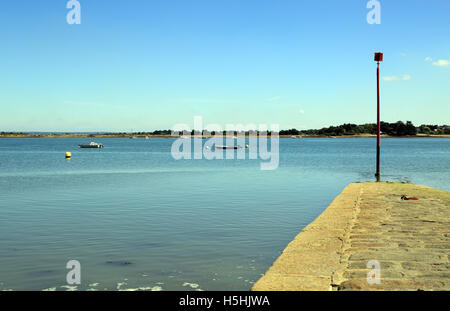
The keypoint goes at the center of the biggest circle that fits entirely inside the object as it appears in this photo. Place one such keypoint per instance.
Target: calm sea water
(183, 225)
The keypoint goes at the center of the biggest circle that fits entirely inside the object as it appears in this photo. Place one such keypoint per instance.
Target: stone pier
(410, 239)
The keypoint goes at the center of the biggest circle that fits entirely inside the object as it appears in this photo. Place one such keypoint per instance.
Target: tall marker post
(378, 59)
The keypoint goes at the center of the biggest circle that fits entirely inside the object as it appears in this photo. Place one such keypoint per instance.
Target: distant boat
(227, 147)
(91, 145)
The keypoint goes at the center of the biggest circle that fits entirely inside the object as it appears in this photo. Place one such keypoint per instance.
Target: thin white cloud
(439, 62)
(442, 63)
(397, 78)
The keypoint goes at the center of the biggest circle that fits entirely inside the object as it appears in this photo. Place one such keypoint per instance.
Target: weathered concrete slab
(369, 221)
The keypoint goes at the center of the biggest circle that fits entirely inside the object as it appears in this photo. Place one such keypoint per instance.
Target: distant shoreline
(112, 135)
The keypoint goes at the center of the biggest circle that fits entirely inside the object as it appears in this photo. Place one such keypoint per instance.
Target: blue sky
(145, 65)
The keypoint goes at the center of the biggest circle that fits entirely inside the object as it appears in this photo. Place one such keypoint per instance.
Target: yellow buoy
(68, 155)
(246, 146)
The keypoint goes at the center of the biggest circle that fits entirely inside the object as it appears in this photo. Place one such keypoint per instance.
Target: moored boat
(91, 145)
(227, 147)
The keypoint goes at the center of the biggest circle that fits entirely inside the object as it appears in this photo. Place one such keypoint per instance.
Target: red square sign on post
(378, 57)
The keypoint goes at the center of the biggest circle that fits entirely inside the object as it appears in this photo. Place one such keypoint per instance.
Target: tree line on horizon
(398, 128)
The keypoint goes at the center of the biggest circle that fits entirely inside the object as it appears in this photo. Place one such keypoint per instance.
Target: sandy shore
(369, 221)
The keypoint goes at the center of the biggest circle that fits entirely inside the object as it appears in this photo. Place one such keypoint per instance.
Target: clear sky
(145, 65)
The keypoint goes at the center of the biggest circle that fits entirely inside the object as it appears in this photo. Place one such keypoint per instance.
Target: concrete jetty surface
(410, 239)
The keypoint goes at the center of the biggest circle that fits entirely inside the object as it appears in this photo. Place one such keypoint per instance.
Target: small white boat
(91, 145)
(227, 147)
